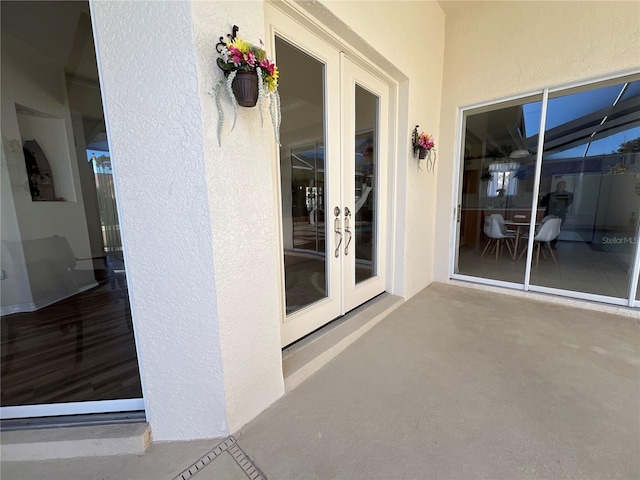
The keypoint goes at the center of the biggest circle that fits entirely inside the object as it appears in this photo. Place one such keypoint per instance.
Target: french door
(333, 159)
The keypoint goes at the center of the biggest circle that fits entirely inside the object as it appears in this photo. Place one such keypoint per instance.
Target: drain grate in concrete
(231, 446)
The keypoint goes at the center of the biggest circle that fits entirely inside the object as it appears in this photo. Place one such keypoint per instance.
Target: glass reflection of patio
(580, 268)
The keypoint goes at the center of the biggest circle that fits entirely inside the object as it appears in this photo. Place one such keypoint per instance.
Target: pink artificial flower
(251, 59)
(236, 55)
(270, 67)
(426, 141)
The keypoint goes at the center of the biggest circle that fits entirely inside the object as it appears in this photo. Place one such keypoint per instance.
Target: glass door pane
(590, 170)
(497, 182)
(365, 167)
(312, 210)
(67, 331)
(302, 166)
(366, 127)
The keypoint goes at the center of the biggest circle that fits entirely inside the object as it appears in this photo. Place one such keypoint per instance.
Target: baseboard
(45, 302)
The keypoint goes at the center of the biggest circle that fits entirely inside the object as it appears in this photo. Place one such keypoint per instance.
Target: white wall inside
(15, 287)
(497, 49)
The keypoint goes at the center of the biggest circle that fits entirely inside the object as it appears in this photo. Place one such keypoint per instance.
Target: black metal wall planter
(250, 79)
(424, 148)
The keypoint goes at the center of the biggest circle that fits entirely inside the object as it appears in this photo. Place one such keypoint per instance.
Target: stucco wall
(149, 78)
(497, 49)
(243, 208)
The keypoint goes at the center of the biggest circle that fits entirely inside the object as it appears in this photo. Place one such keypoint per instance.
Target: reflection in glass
(590, 163)
(301, 88)
(500, 145)
(366, 165)
(66, 322)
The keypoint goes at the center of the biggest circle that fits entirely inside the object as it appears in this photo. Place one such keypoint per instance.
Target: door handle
(347, 217)
(336, 229)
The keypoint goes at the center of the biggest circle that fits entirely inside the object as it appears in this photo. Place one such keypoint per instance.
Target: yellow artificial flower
(271, 83)
(240, 44)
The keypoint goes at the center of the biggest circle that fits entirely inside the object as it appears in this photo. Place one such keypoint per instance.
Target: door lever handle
(336, 229)
(347, 217)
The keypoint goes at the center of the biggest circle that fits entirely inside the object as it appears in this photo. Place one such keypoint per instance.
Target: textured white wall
(150, 88)
(243, 210)
(496, 49)
(409, 35)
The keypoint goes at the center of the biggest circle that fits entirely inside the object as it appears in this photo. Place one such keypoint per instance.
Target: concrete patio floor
(457, 383)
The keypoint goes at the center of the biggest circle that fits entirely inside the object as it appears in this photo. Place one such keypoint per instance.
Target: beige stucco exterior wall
(149, 78)
(240, 175)
(497, 49)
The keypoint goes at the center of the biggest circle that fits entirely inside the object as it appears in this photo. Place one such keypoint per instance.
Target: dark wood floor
(79, 349)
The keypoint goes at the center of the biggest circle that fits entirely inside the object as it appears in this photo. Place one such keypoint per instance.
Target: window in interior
(504, 179)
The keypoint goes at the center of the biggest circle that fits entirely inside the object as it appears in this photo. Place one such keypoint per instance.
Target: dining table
(519, 225)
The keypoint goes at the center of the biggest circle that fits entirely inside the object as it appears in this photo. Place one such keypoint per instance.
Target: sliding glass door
(67, 336)
(568, 215)
(590, 169)
(497, 188)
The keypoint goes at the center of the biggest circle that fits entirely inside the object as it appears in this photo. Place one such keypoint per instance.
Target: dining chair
(503, 225)
(497, 236)
(549, 230)
(525, 235)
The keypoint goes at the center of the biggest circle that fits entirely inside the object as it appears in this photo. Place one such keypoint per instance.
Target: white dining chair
(497, 236)
(548, 231)
(503, 226)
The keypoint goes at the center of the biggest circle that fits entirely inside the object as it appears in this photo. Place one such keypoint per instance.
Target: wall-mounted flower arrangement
(424, 147)
(250, 78)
